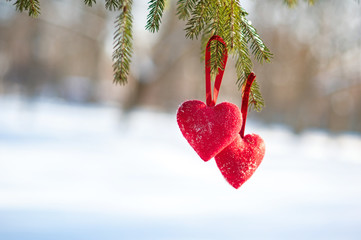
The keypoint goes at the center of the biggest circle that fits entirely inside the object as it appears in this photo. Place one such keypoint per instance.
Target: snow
(95, 172)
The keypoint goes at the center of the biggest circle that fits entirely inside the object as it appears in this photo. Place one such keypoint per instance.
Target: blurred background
(83, 158)
(314, 80)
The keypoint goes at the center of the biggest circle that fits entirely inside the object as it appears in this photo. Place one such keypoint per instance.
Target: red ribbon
(245, 99)
(217, 84)
(218, 81)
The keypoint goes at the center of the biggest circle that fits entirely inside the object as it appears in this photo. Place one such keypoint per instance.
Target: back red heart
(241, 158)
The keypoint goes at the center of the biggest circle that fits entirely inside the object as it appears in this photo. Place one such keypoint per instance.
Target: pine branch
(200, 18)
(205, 18)
(216, 27)
(216, 59)
(90, 2)
(156, 8)
(32, 6)
(184, 8)
(217, 22)
(244, 63)
(228, 20)
(113, 5)
(206, 35)
(311, 2)
(293, 3)
(123, 43)
(256, 100)
(230, 37)
(259, 49)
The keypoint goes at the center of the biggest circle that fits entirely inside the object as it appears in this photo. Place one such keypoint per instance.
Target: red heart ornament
(209, 129)
(240, 159)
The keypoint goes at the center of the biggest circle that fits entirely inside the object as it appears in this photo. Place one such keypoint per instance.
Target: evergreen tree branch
(244, 63)
(293, 3)
(256, 100)
(228, 20)
(206, 35)
(231, 20)
(123, 43)
(199, 19)
(90, 2)
(156, 8)
(113, 5)
(32, 6)
(216, 28)
(204, 18)
(259, 49)
(184, 8)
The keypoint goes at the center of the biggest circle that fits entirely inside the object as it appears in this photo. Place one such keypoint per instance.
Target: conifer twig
(184, 8)
(154, 17)
(293, 3)
(32, 6)
(90, 2)
(123, 43)
(199, 18)
(113, 5)
(259, 49)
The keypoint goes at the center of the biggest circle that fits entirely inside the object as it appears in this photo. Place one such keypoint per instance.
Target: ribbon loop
(218, 80)
(245, 100)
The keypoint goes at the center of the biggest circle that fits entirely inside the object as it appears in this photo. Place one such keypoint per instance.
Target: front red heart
(209, 129)
(241, 158)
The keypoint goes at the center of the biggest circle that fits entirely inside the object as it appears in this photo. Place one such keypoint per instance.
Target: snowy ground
(92, 172)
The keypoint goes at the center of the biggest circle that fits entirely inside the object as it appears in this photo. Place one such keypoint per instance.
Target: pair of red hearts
(218, 131)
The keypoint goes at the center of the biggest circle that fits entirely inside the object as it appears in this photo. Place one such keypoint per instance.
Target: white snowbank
(93, 172)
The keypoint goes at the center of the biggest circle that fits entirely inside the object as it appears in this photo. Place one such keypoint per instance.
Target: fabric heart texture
(217, 130)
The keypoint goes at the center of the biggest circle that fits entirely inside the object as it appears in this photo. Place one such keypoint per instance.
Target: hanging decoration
(217, 130)
(209, 128)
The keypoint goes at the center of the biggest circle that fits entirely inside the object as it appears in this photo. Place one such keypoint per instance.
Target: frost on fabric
(240, 159)
(209, 129)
